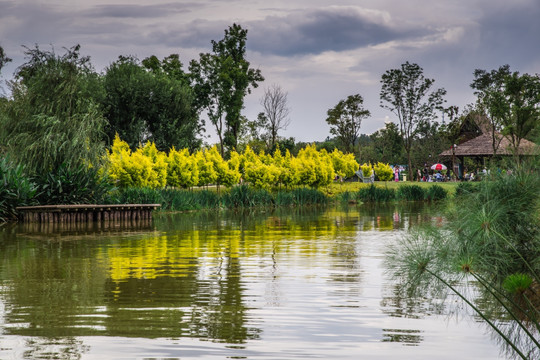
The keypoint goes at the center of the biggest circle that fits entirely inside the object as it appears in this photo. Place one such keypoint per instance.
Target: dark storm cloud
(308, 32)
(140, 11)
(320, 30)
(112, 24)
(511, 34)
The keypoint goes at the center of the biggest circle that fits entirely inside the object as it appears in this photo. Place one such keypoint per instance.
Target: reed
(301, 197)
(374, 193)
(492, 237)
(245, 196)
(435, 193)
(465, 188)
(411, 193)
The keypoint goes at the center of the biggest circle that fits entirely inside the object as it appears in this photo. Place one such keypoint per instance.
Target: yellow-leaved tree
(129, 169)
(315, 168)
(159, 164)
(182, 170)
(383, 171)
(345, 165)
(207, 173)
(224, 174)
(367, 170)
(256, 172)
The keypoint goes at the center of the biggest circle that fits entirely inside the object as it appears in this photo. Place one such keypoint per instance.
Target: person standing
(396, 173)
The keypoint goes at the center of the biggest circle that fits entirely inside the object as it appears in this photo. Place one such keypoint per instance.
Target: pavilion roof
(482, 146)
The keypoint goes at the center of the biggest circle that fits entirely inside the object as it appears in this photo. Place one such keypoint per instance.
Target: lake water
(276, 284)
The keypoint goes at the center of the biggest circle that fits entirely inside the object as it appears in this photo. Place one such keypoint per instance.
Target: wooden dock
(66, 214)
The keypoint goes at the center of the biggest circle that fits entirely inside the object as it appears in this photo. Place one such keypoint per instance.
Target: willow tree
(3, 58)
(406, 93)
(52, 119)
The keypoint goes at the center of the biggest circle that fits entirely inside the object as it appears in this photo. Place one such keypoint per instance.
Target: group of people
(475, 176)
(425, 176)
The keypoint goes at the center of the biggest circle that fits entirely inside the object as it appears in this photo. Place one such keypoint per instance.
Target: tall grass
(410, 193)
(465, 188)
(374, 193)
(435, 193)
(237, 197)
(246, 196)
(301, 196)
(76, 185)
(16, 189)
(492, 237)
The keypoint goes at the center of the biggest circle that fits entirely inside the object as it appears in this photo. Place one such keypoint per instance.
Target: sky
(318, 51)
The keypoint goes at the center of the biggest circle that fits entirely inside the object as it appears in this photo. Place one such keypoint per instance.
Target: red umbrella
(438, 166)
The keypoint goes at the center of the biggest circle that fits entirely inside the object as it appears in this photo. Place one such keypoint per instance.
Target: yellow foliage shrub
(367, 170)
(345, 165)
(383, 171)
(130, 169)
(182, 170)
(207, 173)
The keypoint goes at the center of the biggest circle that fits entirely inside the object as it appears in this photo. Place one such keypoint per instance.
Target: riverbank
(244, 196)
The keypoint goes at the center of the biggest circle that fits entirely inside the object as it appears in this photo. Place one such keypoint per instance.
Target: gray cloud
(319, 30)
(511, 34)
(140, 11)
(307, 32)
(353, 45)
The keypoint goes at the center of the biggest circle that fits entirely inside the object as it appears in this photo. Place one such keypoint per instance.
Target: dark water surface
(282, 284)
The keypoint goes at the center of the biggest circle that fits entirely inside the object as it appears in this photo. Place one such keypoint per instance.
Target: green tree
(173, 118)
(3, 58)
(151, 101)
(429, 142)
(345, 120)
(127, 86)
(405, 92)
(52, 119)
(511, 102)
(521, 107)
(387, 145)
(221, 80)
(488, 88)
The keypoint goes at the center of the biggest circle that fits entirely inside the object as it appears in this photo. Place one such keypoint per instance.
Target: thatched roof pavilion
(482, 146)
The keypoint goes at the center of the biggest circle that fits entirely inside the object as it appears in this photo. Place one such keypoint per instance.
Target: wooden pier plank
(86, 212)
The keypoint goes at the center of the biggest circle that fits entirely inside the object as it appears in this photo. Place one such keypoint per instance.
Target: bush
(465, 188)
(435, 193)
(245, 196)
(79, 185)
(383, 171)
(135, 195)
(410, 193)
(373, 193)
(301, 196)
(366, 170)
(16, 189)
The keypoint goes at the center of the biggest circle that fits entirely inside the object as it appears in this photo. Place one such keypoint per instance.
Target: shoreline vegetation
(245, 196)
(214, 197)
(486, 254)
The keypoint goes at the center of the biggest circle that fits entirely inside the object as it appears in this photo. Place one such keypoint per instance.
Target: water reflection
(226, 277)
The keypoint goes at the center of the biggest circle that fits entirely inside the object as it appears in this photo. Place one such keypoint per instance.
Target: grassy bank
(244, 196)
(335, 189)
